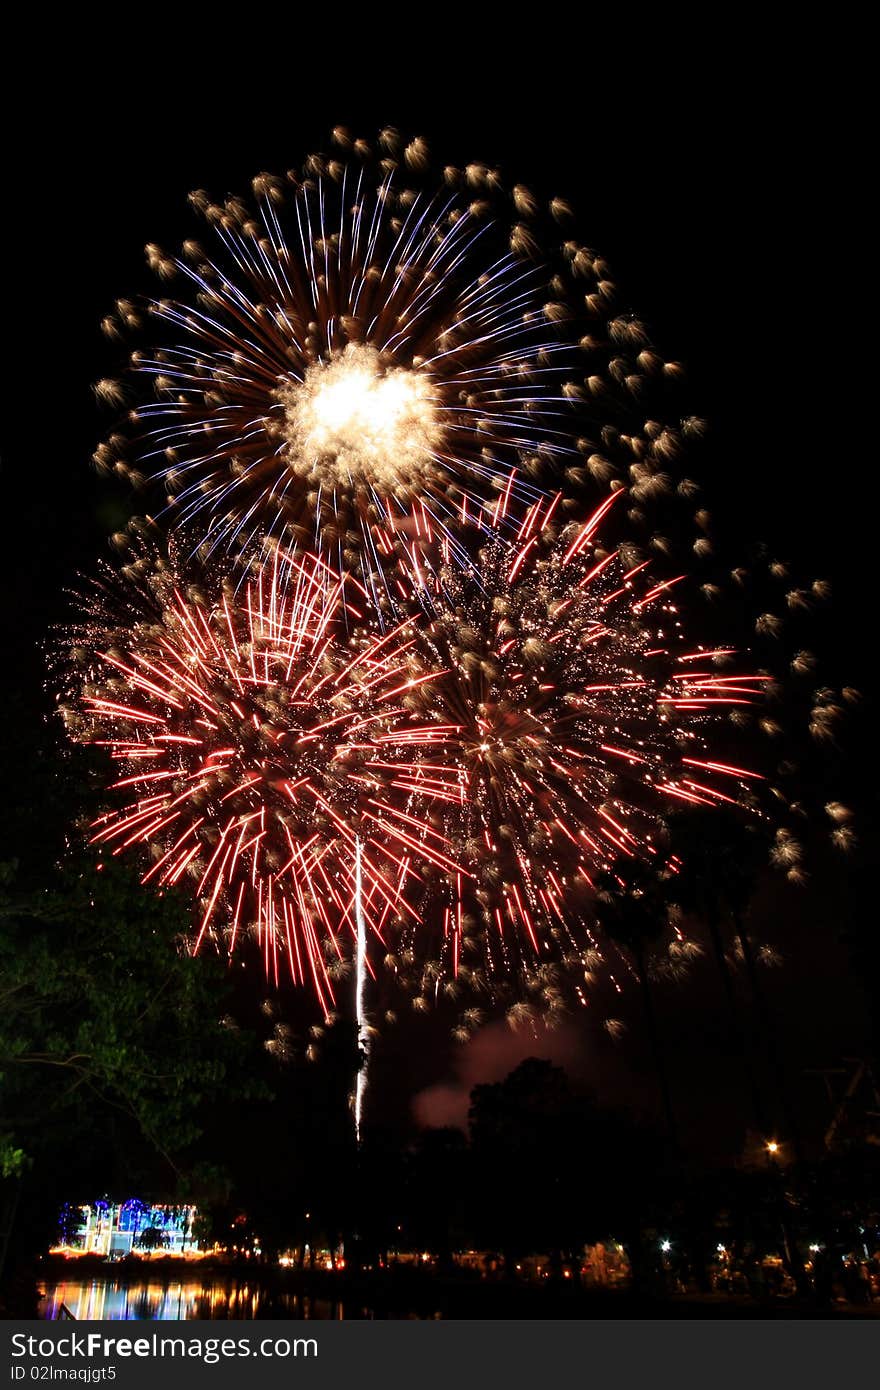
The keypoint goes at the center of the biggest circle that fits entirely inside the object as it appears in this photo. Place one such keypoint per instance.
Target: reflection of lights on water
(101, 1301)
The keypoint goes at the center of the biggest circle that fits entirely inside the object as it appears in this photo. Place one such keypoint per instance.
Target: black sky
(716, 169)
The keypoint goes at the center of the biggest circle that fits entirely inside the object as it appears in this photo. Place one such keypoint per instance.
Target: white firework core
(350, 421)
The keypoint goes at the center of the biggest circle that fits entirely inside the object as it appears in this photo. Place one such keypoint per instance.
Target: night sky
(715, 176)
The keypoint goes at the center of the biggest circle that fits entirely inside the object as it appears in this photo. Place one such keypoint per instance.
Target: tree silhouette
(721, 861)
(552, 1171)
(113, 1039)
(632, 910)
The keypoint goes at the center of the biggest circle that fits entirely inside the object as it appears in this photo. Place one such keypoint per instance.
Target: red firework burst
(258, 751)
(578, 716)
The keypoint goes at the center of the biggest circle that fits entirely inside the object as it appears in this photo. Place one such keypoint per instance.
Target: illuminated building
(114, 1229)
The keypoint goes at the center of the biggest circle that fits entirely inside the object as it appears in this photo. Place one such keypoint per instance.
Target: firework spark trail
(363, 1032)
(259, 757)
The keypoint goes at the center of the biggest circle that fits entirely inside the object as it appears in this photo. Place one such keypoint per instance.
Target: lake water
(160, 1301)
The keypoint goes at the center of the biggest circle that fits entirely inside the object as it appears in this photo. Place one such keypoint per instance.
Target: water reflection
(113, 1301)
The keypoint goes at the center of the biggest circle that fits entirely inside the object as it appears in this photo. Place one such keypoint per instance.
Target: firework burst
(372, 358)
(579, 717)
(413, 379)
(263, 762)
